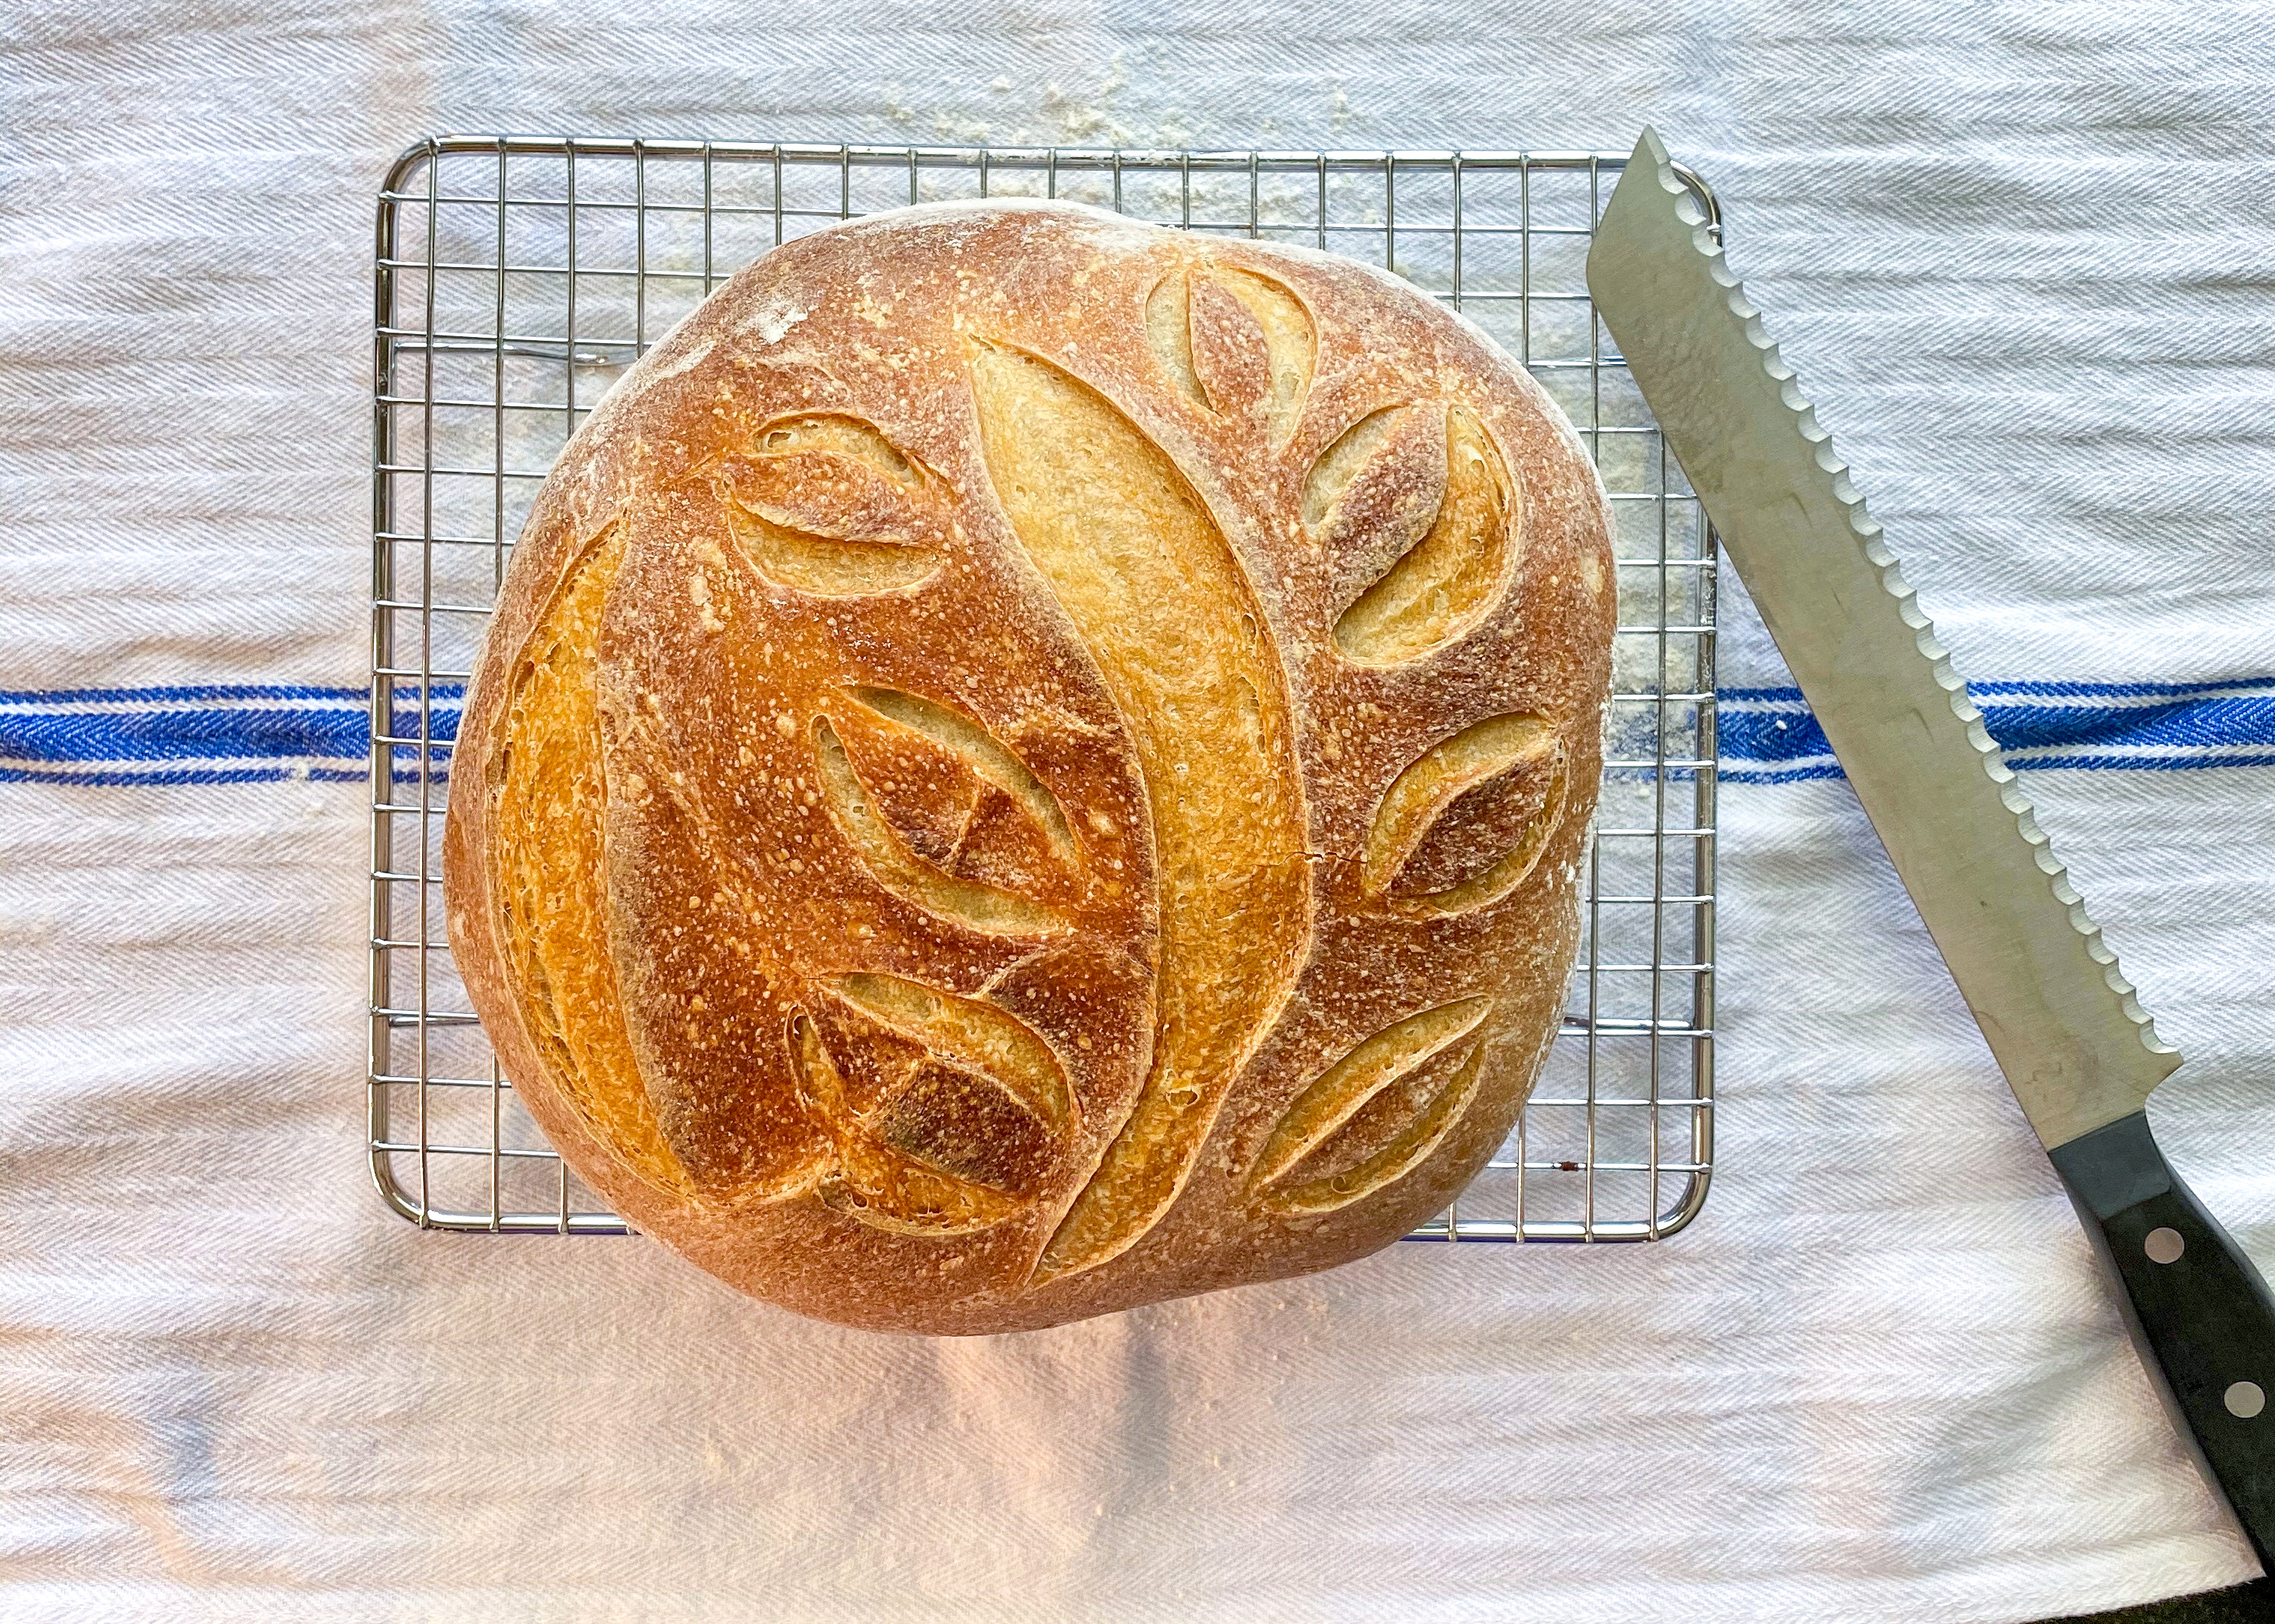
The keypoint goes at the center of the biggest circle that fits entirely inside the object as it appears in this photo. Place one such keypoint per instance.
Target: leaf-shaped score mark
(1442, 586)
(1376, 491)
(959, 1110)
(971, 1033)
(1463, 825)
(825, 504)
(990, 910)
(1152, 587)
(988, 758)
(1238, 344)
(875, 1182)
(1375, 1115)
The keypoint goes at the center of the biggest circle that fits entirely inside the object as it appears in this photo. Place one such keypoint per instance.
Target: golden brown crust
(1027, 763)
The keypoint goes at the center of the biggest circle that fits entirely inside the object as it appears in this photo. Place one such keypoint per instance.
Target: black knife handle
(2199, 1311)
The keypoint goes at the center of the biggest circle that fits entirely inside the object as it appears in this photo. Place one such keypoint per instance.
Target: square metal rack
(518, 277)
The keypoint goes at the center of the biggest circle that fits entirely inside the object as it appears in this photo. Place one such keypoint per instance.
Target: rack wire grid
(518, 277)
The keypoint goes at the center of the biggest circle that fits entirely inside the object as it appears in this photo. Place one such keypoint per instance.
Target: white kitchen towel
(2024, 256)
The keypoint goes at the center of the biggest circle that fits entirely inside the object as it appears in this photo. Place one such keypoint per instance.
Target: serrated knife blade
(2074, 1043)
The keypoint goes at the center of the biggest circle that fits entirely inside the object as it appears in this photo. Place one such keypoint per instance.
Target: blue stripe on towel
(247, 733)
(203, 733)
(1768, 736)
(215, 734)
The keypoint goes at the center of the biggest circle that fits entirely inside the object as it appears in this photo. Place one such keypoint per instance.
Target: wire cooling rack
(518, 277)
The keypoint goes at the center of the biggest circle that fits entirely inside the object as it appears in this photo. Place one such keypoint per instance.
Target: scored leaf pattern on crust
(987, 756)
(937, 1113)
(1358, 1076)
(957, 1085)
(944, 814)
(973, 1034)
(940, 1113)
(974, 905)
(1152, 587)
(876, 1183)
(1375, 491)
(1375, 1115)
(1408, 1149)
(1236, 342)
(825, 504)
(1442, 587)
(1465, 825)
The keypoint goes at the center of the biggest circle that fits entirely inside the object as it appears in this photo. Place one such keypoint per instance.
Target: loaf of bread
(1027, 763)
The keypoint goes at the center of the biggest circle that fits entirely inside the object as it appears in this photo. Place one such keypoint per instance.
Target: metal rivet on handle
(2164, 1246)
(2244, 1399)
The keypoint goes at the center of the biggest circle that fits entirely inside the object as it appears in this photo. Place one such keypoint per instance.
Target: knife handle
(2199, 1311)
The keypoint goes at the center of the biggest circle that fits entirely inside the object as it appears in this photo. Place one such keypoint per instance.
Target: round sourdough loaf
(1027, 763)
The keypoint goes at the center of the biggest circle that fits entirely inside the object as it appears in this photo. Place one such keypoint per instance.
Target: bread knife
(2075, 1045)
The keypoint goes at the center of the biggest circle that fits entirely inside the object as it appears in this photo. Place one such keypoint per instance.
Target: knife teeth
(1869, 539)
